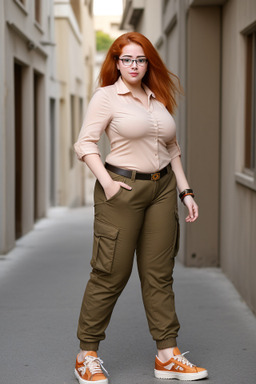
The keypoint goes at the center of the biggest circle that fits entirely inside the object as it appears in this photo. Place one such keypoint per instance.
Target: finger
(187, 219)
(126, 186)
(192, 216)
(195, 213)
(195, 209)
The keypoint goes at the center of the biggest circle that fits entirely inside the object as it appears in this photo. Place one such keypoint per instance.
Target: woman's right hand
(112, 188)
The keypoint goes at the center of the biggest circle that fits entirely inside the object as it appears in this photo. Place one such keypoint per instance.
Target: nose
(134, 64)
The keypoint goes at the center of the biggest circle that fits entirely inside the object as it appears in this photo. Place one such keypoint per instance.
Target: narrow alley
(42, 282)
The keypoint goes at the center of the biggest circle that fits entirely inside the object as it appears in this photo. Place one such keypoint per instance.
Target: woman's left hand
(192, 209)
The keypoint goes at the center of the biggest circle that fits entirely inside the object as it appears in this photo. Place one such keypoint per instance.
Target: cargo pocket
(177, 237)
(105, 236)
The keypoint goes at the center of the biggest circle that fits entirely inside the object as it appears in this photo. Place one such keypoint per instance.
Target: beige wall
(3, 240)
(89, 48)
(202, 136)
(70, 74)
(195, 57)
(21, 37)
(150, 21)
(46, 177)
(107, 24)
(238, 202)
(74, 71)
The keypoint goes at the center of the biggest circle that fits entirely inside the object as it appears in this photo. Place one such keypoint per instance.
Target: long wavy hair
(158, 78)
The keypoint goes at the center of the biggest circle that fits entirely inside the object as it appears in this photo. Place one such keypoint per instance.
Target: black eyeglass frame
(145, 61)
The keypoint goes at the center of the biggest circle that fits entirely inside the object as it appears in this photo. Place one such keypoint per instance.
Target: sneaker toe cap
(200, 369)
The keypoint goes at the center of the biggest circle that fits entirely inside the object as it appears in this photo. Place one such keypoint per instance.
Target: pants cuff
(167, 343)
(89, 346)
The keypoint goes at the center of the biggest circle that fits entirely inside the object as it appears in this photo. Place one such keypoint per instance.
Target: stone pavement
(41, 287)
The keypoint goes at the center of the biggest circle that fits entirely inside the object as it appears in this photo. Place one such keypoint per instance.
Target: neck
(133, 88)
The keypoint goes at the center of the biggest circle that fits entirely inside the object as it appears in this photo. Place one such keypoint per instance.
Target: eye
(142, 61)
(126, 61)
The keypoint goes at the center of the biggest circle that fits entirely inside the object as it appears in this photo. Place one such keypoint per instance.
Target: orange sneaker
(178, 367)
(90, 370)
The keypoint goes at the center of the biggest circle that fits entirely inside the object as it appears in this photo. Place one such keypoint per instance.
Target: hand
(192, 209)
(114, 187)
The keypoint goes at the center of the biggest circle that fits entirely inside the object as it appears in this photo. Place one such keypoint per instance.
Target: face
(132, 75)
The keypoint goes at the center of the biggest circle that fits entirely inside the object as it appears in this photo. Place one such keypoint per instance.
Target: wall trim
(64, 11)
(159, 42)
(31, 45)
(21, 6)
(245, 180)
(171, 24)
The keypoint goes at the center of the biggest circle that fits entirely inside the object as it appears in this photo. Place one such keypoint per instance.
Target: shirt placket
(155, 136)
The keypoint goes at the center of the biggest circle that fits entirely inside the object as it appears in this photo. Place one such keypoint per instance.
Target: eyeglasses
(128, 62)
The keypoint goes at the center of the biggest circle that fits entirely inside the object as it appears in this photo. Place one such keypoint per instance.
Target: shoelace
(183, 359)
(94, 364)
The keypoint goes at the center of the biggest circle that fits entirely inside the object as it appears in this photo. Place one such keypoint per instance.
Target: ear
(117, 65)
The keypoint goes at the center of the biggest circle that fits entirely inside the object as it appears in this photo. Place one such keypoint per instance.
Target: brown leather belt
(140, 176)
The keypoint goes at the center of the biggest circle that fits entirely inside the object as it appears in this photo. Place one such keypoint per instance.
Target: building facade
(211, 46)
(75, 42)
(108, 24)
(43, 94)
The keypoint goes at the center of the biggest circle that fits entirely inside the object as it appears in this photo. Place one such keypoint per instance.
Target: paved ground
(41, 287)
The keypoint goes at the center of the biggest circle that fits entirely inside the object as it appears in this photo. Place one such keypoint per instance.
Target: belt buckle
(155, 176)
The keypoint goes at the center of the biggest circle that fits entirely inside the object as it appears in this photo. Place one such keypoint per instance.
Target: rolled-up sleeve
(97, 119)
(173, 148)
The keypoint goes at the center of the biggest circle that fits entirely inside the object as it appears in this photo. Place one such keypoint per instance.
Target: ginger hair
(161, 81)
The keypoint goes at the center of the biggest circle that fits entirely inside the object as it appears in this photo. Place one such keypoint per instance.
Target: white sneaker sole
(82, 381)
(180, 376)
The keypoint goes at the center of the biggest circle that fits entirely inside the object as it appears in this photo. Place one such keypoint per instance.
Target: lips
(134, 74)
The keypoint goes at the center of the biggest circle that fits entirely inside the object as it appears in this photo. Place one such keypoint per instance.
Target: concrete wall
(44, 170)
(3, 244)
(21, 44)
(73, 75)
(238, 201)
(203, 118)
(70, 74)
(151, 15)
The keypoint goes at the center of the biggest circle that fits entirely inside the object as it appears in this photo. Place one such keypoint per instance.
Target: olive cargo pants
(144, 220)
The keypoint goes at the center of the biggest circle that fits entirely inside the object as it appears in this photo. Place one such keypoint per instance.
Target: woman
(135, 202)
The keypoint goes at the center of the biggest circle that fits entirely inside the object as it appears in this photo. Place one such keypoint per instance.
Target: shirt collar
(122, 89)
